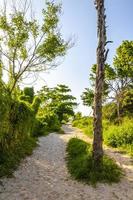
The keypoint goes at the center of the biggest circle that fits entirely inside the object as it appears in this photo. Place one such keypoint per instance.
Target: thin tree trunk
(118, 111)
(101, 57)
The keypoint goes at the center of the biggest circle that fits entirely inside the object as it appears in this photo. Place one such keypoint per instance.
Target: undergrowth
(10, 160)
(115, 135)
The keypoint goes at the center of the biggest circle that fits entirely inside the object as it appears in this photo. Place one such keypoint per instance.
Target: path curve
(44, 176)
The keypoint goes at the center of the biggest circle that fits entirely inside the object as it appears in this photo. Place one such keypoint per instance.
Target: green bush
(10, 159)
(47, 123)
(16, 139)
(81, 165)
(119, 135)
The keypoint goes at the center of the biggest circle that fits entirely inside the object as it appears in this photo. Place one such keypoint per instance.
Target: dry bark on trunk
(101, 57)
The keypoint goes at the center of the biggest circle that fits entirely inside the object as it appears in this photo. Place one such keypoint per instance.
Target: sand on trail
(44, 176)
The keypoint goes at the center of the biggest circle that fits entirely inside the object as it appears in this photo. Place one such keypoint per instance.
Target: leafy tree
(26, 46)
(118, 80)
(58, 100)
(122, 77)
(127, 101)
(123, 62)
(88, 95)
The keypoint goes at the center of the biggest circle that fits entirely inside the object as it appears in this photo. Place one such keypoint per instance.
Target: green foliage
(4, 102)
(124, 59)
(10, 159)
(88, 97)
(56, 108)
(19, 125)
(28, 94)
(36, 103)
(59, 101)
(47, 123)
(127, 102)
(17, 120)
(118, 84)
(119, 135)
(81, 165)
(110, 111)
(77, 116)
(85, 124)
(115, 134)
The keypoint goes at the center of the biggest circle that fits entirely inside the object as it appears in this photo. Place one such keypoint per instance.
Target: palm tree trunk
(101, 57)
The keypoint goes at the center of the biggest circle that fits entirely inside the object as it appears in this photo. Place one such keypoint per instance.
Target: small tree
(59, 100)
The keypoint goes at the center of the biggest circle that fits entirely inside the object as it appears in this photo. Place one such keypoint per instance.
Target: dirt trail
(44, 176)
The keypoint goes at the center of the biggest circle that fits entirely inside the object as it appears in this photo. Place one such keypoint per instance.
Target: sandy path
(43, 176)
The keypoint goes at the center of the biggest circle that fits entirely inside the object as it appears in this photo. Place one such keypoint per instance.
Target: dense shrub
(20, 121)
(10, 159)
(119, 135)
(45, 124)
(17, 119)
(115, 135)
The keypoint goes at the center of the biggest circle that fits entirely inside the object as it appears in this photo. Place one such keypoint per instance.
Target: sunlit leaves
(51, 17)
(3, 23)
(88, 97)
(123, 61)
(52, 47)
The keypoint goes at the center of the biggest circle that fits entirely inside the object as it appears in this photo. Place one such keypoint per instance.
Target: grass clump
(81, 165)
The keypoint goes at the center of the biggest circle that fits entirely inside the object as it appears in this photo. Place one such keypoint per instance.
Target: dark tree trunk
(101, 58)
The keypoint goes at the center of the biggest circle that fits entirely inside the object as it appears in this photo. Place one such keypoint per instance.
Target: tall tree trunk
(101, 57)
